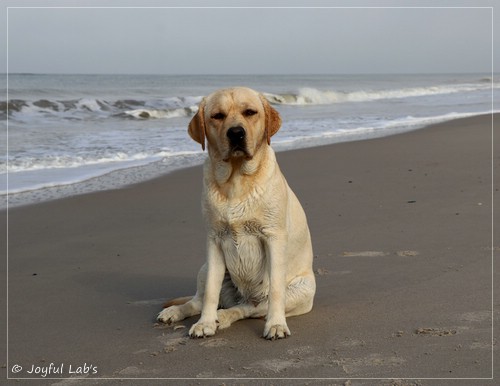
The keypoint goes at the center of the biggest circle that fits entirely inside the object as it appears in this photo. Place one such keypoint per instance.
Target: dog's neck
(238, 177)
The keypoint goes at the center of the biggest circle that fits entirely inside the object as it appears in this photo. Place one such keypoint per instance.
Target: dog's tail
(177, 301)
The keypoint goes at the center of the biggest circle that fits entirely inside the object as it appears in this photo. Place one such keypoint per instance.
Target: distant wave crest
(312, 96)
(186, 106)
(162, 113)
(94, 108)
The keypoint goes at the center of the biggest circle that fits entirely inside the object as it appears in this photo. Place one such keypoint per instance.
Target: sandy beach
(402, 236)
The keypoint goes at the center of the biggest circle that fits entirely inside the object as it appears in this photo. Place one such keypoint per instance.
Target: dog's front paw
(276, 331)
(203, 329)
(170, 315)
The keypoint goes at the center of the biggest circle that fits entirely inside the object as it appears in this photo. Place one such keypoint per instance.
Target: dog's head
(235, 122)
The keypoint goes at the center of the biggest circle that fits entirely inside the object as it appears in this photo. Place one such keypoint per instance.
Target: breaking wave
(186, 106)
(312, 96)
(91, 108)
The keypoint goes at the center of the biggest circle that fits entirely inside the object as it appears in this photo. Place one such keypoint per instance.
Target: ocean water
(70, 134)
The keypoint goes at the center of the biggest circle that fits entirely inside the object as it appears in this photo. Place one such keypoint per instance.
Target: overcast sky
(246, 41)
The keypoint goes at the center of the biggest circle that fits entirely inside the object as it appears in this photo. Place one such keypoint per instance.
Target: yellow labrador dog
(259, 253)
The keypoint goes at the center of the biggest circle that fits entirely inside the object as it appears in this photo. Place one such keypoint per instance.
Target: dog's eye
(249, 112)
(218, 116)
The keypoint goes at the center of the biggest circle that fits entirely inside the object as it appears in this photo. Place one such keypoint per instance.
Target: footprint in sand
(405, 253)
(478, 316)
(366, 364)
(365, 254)
(214, 342)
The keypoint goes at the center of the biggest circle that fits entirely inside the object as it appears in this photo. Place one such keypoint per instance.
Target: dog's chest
(239, 227)
(242, 241)
(244, 253)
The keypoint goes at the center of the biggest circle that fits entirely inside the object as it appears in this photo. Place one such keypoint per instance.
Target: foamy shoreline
(126, 176)
(63, 129)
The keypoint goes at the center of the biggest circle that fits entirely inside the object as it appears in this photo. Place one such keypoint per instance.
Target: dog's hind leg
(227, 316)
(182, 308)
(299, 300)
(177, 312)
(185, 307)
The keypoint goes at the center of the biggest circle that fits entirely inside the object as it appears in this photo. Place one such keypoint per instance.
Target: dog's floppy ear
(273, 119)
(196, 127)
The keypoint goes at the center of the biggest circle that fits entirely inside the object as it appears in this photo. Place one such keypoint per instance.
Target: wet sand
(402, 236)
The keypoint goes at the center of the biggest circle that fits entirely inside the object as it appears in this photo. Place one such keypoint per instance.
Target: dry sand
(402, 234)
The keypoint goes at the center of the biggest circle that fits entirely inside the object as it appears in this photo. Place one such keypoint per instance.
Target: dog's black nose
(236, 134)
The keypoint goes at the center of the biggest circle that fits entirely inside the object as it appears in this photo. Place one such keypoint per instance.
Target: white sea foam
(57, 171)
(95, 108)
(329, 133)
(313, 96)
(74, 161)
(154, 113)
(183, 106)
